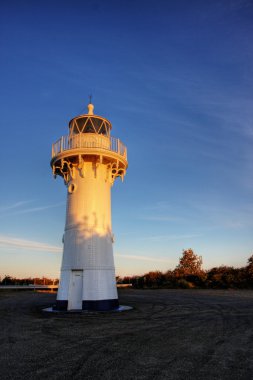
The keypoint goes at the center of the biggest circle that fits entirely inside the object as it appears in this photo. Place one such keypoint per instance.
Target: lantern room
(90, 123)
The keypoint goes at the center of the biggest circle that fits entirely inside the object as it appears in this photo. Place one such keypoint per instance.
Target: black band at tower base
(61, 305)
(101, 305)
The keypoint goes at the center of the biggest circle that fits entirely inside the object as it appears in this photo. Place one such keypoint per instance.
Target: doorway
(76, 290)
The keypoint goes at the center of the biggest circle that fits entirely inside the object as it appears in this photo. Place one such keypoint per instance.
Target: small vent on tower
(72, 188)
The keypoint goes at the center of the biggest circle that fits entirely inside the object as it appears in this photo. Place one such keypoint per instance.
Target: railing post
(61, 144)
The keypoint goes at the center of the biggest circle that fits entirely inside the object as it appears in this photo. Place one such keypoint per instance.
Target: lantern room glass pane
(80, 122)
(97, 123)
(89, 128)
(103, 131)
(73, 128)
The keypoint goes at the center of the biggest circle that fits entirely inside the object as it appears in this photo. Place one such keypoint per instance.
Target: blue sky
(175, 80)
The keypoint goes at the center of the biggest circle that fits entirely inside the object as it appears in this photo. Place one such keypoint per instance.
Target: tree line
(187, 274)
(9, 280)
(190, 274)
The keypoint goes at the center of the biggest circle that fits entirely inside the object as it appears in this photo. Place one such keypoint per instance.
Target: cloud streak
(28, 210)
(171, 237)
(161, 218)
(12, 242)
(15, 205)
(41, 208)
(31, 245)
(143, 258)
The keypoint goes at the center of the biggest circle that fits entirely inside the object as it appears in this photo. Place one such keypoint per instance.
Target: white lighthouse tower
(89, 160)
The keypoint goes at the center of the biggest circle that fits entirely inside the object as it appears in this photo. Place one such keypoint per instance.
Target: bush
(184, 284)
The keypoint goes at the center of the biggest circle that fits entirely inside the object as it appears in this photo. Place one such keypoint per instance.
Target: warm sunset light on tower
(89, 160)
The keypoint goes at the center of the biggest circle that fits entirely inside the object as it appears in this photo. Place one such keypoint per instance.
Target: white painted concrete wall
(88, 234)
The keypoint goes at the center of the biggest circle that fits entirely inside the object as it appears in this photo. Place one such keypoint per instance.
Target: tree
(8, 280)
(250, 265)
(222, 277)
(190, 264)
(249, 272)
(154, 278)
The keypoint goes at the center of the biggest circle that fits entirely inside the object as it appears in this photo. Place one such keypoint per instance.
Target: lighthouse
(89, 160)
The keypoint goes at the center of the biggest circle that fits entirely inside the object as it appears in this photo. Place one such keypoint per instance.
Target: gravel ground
(170, 334)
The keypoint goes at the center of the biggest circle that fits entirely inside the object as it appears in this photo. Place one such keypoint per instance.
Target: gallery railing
(88, 141)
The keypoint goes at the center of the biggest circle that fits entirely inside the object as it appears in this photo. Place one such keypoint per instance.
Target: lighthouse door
(76, 290)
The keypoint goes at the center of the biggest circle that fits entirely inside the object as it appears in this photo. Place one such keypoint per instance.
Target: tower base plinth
(61, 305)
(99, 305)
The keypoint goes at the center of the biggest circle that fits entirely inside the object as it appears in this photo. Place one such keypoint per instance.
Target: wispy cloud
(14, 205)
(219, 213)
(28, 210)
(159, 205)
(171, 237)
(12, 242)
(161, 218)
(35, 209)
(144, 258)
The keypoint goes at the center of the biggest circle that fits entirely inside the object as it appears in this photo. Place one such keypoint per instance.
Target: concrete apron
(118, 309)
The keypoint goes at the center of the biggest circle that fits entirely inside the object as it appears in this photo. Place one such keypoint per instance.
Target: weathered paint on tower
(89, 160)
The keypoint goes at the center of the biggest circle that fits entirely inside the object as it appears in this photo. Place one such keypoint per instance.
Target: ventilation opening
(71, 188)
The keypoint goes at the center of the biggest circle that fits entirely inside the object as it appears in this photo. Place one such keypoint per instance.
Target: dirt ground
(170, 334)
